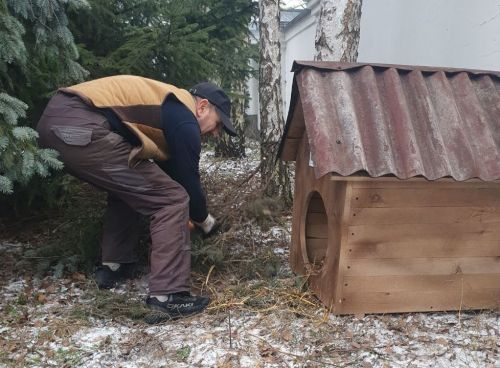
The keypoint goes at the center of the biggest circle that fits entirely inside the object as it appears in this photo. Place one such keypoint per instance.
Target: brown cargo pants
(95, 154)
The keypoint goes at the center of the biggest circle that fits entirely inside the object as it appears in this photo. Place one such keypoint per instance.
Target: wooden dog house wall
(373, 233)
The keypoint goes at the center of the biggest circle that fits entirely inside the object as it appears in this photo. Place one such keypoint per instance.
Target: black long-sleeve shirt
(183, 136)
(182, 133)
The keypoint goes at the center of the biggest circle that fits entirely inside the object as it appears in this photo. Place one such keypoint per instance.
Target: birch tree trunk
(274, 173)
(337, 33)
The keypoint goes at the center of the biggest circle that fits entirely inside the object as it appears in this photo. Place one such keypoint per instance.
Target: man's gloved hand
(209, 226)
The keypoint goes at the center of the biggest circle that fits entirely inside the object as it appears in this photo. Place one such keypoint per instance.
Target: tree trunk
(274, 173)
(337, 34)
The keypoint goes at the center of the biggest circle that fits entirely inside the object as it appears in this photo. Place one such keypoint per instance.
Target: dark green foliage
(175, 41)
(73, 235)
(207, 252)
(77, 249)
(50, 49)
(37, 55)
(43, 194)
(234, 48)
(179, 42)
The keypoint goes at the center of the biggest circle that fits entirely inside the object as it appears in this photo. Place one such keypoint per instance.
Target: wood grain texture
(295, 135)
(290, 149)
(414, 248)
(417, 283)
(421, 266)
(316, 230)
(424, 215)
(422, 197)
(308, 230)
(396, 246)
(406, 233)
(411, 301)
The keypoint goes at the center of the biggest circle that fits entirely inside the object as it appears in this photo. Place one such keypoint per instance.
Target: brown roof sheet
(396, 120)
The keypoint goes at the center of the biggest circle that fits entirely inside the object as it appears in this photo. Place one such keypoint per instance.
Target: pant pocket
(73, 136)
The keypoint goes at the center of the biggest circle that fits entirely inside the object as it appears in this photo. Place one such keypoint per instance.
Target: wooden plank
(290, 148)
(424, 184)
(294, 135)
(317, 243)
(408, 301)
(316, 218)
(296, 131)
(328, 281)
(316, 230)
(297, 125)
(316, 204)
(407, 233)
(342, 266)
(421, 266)
(424, 215)
(300, 203)
(415, 283)
(316, 250)
(431, 248)
(420, 197)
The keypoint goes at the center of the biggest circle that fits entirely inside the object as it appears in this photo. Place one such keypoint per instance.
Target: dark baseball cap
(217, 97)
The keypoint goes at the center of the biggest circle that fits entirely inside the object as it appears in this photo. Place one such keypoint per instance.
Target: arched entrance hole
(316, 231)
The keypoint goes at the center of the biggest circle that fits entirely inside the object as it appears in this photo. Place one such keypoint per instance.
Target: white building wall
(448, 33)
(253, 92)
(297, 44)
(451, 33)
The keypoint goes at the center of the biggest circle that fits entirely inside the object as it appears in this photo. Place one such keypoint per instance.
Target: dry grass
(261, 315)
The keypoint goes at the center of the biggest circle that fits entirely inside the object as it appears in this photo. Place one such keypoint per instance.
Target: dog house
(397, 192)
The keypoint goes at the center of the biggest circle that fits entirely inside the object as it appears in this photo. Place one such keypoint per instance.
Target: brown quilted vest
(137, 102)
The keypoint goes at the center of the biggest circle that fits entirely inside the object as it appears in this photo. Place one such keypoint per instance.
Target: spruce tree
(152, 38)
(20, 158)
(37, 55)
(181, 42)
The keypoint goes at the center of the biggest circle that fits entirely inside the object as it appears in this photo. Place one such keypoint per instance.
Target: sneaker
(178, 305)
(106, 278)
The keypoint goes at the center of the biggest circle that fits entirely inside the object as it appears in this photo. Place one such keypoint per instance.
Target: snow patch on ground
(36, 329)
(244, 338)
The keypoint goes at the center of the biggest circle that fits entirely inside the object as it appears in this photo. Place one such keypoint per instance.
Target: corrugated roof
(396, 120)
